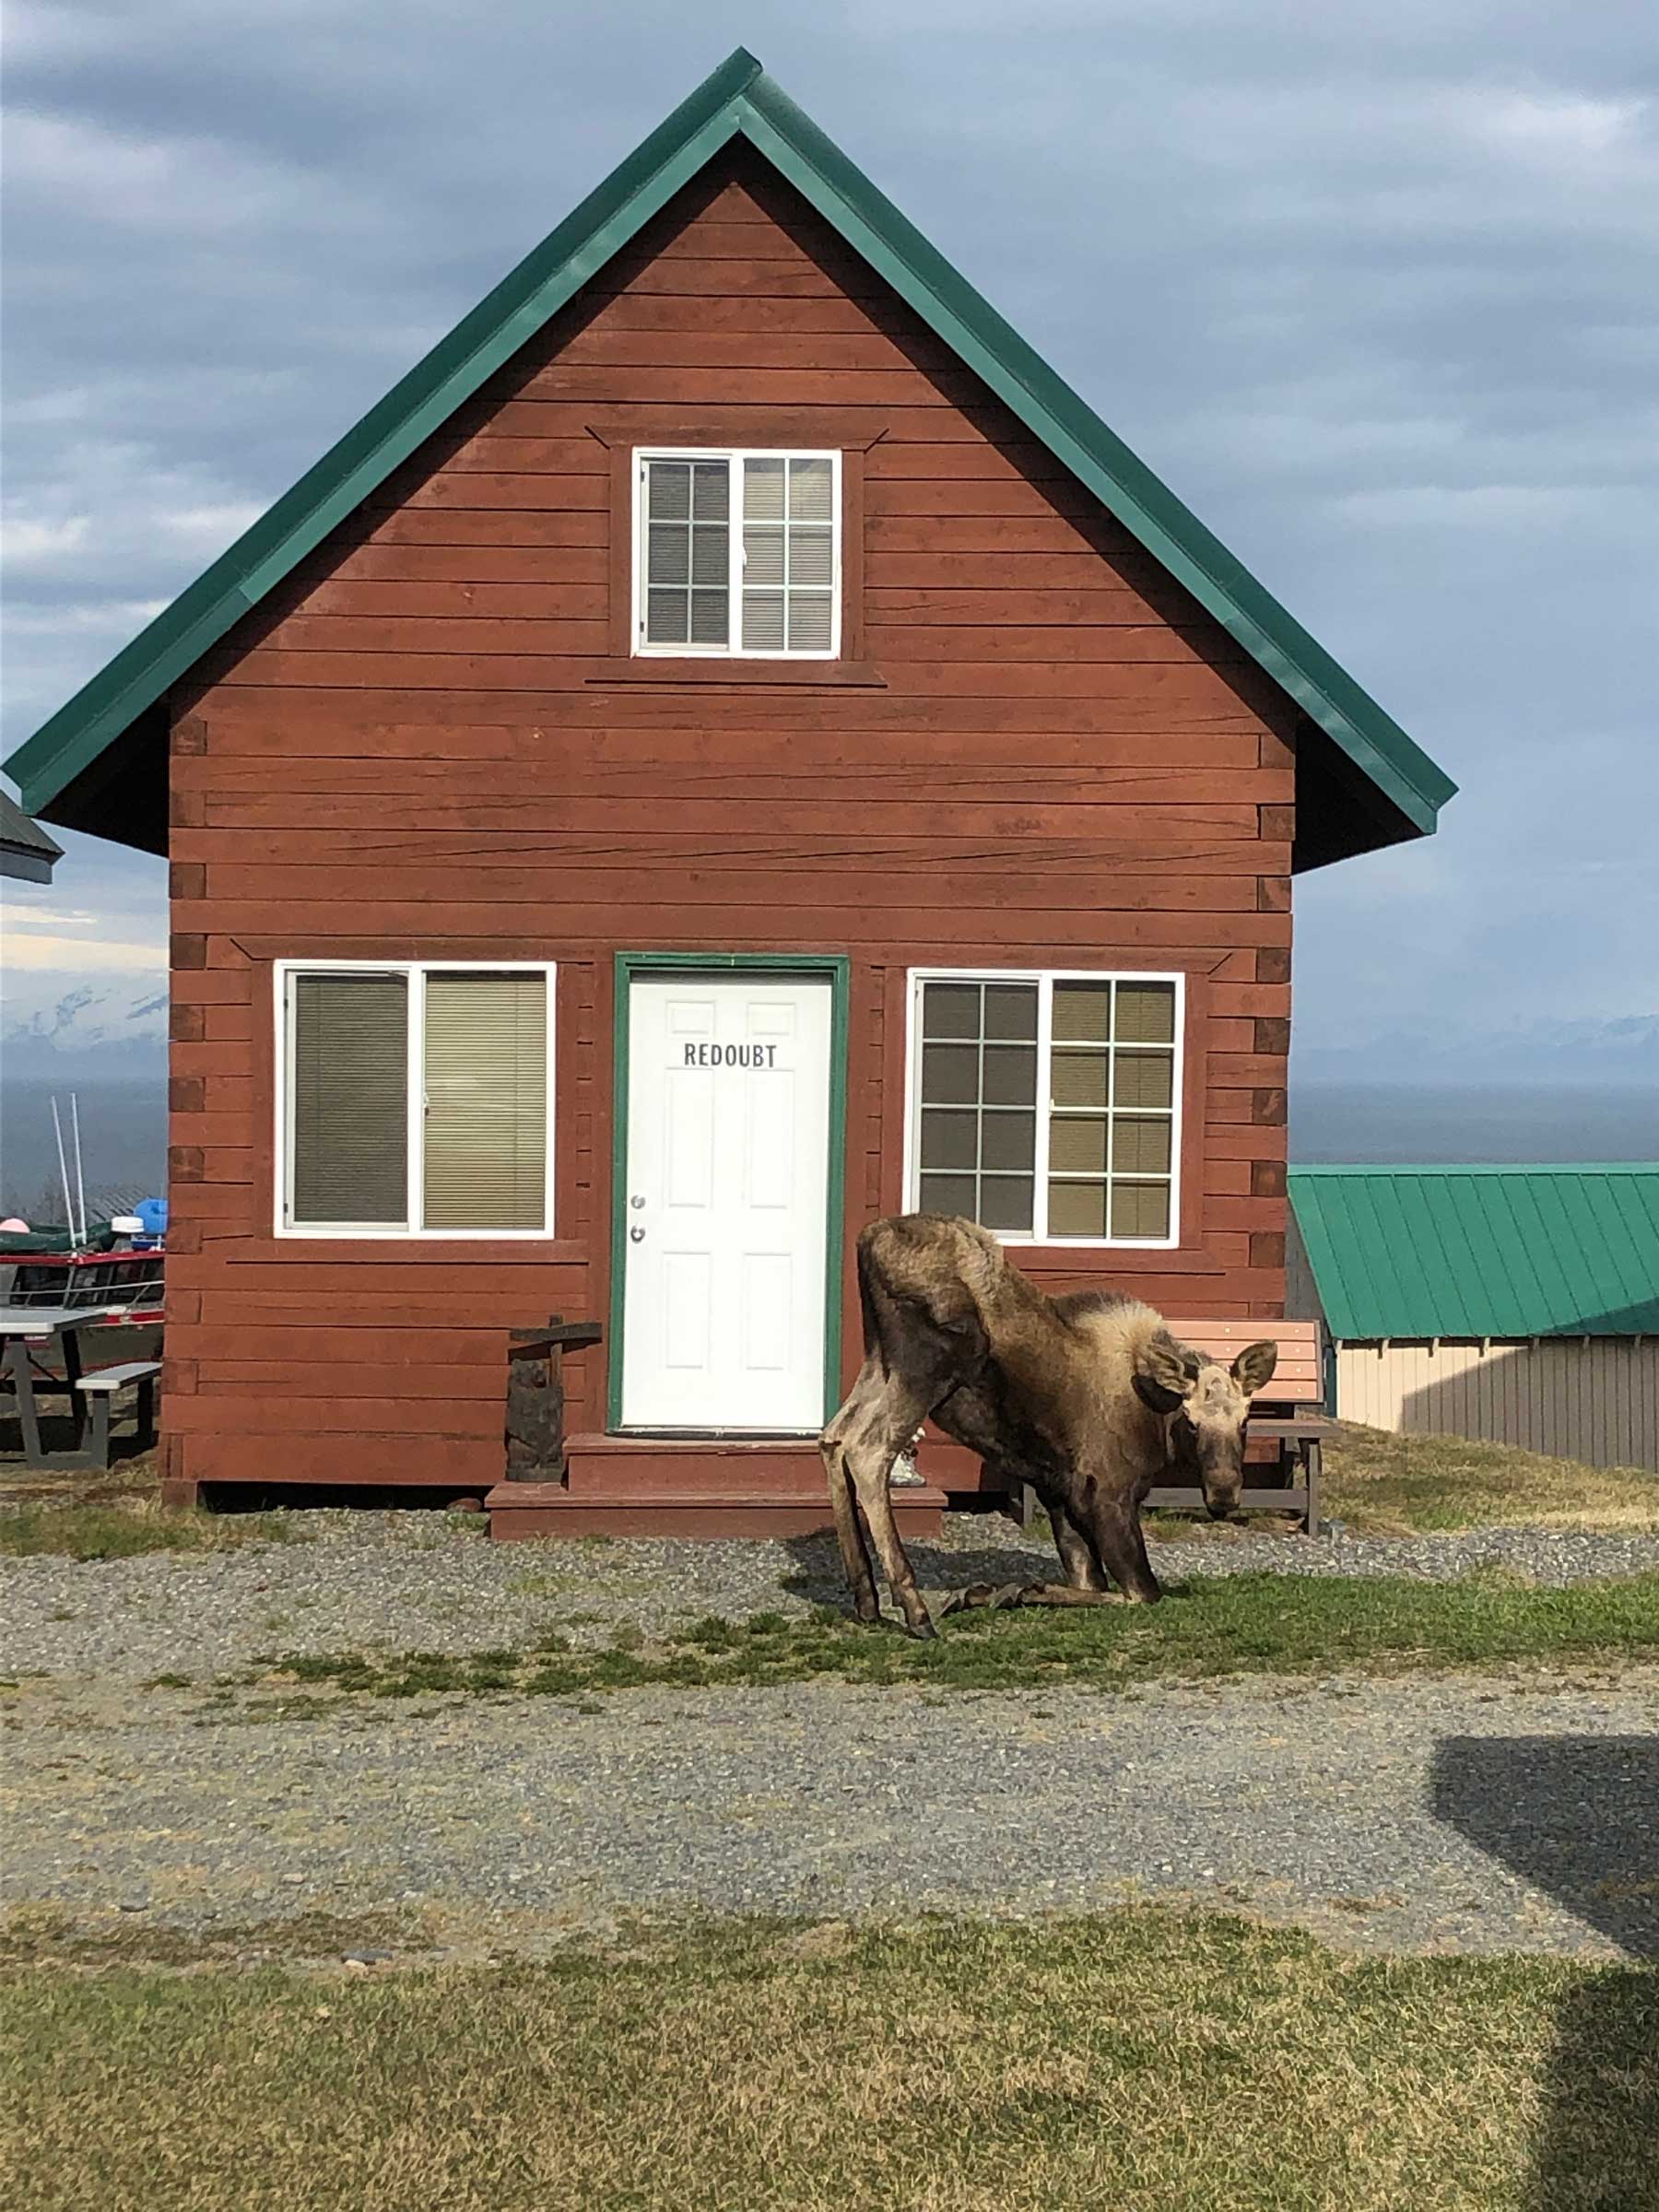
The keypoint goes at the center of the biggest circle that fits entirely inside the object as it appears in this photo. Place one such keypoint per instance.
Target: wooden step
(650, 1467)
(547, 1509)
(615, 1466)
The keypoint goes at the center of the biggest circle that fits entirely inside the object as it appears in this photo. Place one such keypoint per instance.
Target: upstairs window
(1046, 1107)
(738, 553)
(415, 1101)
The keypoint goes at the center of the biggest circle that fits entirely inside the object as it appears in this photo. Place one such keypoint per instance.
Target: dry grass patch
(1383, 1484)
(1149, 2061)
(120, 1528)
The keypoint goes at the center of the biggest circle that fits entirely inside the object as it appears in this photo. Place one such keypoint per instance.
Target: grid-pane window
(416, 1100)
(977, 1139)
(1046, 1106)
(768, 587)
(688, 552)
(788, 553)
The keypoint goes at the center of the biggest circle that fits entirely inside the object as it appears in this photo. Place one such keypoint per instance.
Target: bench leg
(22, 1383)
(147, 1413)
(1312, 1451)
(97, 1451)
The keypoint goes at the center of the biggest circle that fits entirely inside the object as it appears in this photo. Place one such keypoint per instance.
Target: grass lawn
(1150, 2062)
(1205, 1628)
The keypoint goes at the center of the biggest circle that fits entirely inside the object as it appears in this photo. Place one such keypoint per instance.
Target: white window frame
(734, 648)
(1045, 979)
(415, 972)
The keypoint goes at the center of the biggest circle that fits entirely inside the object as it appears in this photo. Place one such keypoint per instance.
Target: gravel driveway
(413, 1581)
(1449, 1814)
(1462, 1813)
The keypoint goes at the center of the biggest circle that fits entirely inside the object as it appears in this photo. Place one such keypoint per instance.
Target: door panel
(724, 1213)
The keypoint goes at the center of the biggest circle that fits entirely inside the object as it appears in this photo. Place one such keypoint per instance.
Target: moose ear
(1253, 1370)
(1161, 1378)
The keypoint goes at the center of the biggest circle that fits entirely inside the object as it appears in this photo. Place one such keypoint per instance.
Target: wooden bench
(1288, 1416)
(100, 1388)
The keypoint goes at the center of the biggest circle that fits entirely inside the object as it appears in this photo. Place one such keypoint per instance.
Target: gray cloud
(1371, 288)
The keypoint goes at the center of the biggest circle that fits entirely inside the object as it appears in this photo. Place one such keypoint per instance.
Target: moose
(1087, 1398)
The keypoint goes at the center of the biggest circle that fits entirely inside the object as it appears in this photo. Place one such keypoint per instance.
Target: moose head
(1207, 1405)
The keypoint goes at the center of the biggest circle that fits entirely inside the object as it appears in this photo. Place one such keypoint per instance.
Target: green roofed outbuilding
(1519, 1304)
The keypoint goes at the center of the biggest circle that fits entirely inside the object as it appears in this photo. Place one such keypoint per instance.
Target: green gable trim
(1483, 1251)
(737, 100)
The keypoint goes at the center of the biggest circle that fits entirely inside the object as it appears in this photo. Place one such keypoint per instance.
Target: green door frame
(837, 967)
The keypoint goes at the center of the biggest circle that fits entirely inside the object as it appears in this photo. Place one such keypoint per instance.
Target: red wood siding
(426, 747)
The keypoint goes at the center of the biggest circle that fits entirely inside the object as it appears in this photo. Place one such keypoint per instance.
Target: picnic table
(33, 1339)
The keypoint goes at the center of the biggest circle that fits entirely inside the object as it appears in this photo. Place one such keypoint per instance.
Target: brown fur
(1088, 1398)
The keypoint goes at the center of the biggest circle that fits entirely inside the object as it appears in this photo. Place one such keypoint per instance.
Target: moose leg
(1116, 1529)
(849, 1534)
(1078, 1561)
(876, 1503)
(880, 1417)
(878, 1431)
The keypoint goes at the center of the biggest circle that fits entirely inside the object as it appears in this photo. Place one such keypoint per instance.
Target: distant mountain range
(93, 1034)
(1547, 1054)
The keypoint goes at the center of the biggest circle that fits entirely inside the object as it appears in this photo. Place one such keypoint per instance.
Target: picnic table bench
(33, 1339)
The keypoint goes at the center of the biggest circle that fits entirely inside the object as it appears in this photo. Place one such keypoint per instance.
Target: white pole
(62, 1167)
(80, 1179)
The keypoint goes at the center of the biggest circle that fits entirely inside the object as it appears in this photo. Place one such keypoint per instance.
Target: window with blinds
(1046, 1107)
(349, 1090)
(485, 1141)
(738, 553)
(416, 1100)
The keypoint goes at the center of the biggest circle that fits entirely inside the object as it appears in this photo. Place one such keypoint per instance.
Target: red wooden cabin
(731, 746)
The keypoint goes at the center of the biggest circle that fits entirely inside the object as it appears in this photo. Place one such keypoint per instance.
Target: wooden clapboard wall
(432, 745)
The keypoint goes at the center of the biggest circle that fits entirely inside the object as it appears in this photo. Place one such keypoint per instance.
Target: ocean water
(124, 1129)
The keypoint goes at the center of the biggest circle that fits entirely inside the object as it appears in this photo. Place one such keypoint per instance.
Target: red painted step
(636, 1466)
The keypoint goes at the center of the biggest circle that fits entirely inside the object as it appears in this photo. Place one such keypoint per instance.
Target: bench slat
(1297, 1380)
(117, 1378)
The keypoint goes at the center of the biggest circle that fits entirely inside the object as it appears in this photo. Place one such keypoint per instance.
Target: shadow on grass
(817, 1572)
(1579, 1817)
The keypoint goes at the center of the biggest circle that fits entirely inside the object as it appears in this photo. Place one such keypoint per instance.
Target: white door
(725, 1205)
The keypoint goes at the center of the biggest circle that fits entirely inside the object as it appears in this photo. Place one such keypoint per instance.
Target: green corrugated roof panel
(1483, 1251)
(739, 101)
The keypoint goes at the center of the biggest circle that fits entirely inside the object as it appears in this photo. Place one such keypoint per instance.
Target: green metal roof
(1398, 790)
(1483, 1251)
(22, 835)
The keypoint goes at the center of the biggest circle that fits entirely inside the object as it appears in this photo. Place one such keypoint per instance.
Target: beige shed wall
(1596, 1402)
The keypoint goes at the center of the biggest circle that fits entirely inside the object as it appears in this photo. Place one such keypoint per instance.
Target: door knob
(636, 1236)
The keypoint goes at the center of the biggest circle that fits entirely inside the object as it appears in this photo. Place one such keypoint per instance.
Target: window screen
(486, 1101)
(1047, 1106)
(350, 1099)
(767, 586)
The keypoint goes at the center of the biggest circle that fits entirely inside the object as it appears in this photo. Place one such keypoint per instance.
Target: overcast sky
(1373, 286)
